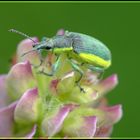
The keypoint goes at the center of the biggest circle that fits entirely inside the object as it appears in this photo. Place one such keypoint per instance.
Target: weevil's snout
(38, 46)
(42, 46)
(35, 45)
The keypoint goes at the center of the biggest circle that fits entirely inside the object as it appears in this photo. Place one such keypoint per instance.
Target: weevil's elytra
(80, 47)
(91, 50)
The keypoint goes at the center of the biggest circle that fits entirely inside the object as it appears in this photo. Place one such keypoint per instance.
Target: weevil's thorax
(62, 43)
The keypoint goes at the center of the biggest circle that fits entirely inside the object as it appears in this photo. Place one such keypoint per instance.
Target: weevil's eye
(48, 47)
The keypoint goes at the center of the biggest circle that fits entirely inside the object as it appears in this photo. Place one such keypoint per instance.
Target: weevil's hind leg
(100, 77)
(77, 68)
(54, 67)
(97, 69)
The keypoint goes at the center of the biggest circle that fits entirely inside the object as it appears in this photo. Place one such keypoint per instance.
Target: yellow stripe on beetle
(91, 58)
(60, 50)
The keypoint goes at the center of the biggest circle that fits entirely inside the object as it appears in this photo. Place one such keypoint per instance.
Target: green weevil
(78, 47)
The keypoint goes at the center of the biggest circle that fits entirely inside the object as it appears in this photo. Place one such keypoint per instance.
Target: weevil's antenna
(28, 52)
(20, 33)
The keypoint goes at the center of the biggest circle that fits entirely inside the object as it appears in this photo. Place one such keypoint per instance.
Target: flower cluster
(34, 105)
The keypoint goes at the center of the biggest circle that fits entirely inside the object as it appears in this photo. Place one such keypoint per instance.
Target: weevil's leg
(77, 68)
(97, 69)
(54, 67)
(101, 75)
(40, 58)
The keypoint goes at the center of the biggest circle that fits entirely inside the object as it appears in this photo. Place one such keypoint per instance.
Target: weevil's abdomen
(91, 50)
(95, 60)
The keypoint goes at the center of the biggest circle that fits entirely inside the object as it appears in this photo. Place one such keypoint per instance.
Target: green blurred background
(116, 24)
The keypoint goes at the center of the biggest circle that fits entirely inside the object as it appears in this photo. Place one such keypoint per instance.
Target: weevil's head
(45, 44)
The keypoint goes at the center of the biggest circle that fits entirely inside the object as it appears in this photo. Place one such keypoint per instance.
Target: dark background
(116, 24)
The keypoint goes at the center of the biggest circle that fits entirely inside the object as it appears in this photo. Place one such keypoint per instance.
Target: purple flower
(33, 105)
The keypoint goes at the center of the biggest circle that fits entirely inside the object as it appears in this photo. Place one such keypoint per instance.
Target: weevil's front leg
(40, 54)
(54, 67)
(40, 59)
(77, 68)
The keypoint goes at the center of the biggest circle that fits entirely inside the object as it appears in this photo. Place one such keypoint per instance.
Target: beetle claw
(42, 72)
(81, 89)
